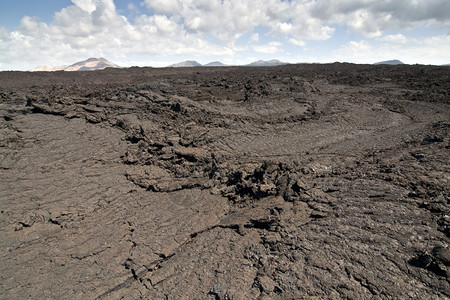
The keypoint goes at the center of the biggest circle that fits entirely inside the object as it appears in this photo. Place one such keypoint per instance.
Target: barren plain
(290, 182)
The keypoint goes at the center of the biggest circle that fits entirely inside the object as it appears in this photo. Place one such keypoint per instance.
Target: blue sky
(161, 32)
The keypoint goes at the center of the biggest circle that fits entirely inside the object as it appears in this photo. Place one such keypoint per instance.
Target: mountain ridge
(186, 63)
(390, 62)
(266, 63)
(215, 64)
(90, 64)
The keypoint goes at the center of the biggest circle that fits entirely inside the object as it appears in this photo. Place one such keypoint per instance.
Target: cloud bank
(229, 29)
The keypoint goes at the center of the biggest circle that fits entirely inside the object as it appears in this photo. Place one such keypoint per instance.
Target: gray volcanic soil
(298, 181)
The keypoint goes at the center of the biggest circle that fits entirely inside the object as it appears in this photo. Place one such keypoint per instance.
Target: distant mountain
(389, 62)
(214, 64)
(85, 65)
(91, 64)
(267, 63)
(186, 63)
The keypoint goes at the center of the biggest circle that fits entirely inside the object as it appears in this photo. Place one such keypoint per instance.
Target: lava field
(290, 182)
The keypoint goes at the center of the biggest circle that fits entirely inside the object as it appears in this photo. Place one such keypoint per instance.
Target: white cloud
(412, 51)
(86, 5)
(283, 27)
(393, 38)
(372, 17)
(78, 32)
(297, 42)
(362, 21)
(4, 34)
(164, 6)
(227, 20)
(254, 38)
(217, 27)
(433, 50)
(355, 51)
(270, 48)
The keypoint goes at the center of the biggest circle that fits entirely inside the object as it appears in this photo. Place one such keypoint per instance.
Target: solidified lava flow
(289, 182)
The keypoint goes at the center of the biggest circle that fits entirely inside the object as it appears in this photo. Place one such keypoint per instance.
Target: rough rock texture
(298, 181)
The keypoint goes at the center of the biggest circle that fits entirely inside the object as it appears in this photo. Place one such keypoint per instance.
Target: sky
(161, 32)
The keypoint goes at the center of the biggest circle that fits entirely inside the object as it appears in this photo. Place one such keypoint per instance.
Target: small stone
(272, 238)
(193, 154)
(442, 254)
(421, 261)
(266, 283)
(219, 291)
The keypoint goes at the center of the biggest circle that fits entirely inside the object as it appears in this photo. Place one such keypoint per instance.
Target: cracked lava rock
(291, 182)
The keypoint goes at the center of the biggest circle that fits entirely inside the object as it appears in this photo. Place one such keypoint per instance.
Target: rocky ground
(298, 181)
